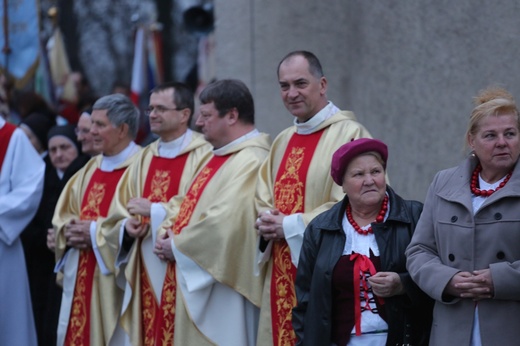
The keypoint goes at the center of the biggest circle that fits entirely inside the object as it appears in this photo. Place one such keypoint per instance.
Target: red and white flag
(139, 80)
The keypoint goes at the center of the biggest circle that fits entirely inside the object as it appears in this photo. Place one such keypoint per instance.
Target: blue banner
(23, 37)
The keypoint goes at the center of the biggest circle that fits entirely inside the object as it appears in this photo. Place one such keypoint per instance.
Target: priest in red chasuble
(159, 172)
(295, 185)
(91, 301)
(211, 287)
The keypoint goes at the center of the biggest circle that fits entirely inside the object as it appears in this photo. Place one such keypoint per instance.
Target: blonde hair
(492, 101)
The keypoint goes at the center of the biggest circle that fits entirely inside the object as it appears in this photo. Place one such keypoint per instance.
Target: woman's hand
(386, 284)
(476, 285)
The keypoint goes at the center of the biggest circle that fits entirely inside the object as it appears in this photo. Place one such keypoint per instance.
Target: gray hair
(120, 110)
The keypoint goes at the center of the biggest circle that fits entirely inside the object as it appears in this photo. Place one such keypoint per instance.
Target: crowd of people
(224, 238)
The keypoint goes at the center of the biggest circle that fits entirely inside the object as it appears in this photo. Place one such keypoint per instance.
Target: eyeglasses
(82, 131)
(159, 110)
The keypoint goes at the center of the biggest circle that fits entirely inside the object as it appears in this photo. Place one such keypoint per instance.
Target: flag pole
(6, 49)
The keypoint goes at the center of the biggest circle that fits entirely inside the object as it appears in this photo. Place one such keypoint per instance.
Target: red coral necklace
(474, 184)
(380, 217)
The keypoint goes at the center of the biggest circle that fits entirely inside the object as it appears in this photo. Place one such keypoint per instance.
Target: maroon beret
(348, 151)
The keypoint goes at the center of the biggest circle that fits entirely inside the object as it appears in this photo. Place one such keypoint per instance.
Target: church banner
(19, 38)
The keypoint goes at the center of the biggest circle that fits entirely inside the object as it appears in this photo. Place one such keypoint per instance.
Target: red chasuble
(95, 204)
(162, 183)
(5, 136)
(166, 329)
(289, 196)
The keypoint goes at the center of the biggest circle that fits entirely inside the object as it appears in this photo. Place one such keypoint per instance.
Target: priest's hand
(270, 225)
(139, 206)
(77, 234)
(135, 228)
(51, 239)
(386, 284)
(163, 246)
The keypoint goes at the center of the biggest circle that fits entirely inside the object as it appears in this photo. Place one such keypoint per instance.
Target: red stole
(5, 136)
(95, 204)
(289, 197)
(168, 296)
(162, 183)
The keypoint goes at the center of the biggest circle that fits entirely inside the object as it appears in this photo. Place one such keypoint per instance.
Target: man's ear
(123, 130)
(233, 115)
(323, 85)
(186, 115)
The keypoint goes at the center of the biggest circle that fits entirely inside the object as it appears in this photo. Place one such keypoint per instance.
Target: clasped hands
(163, 246)
(138, 207)
(476, 285)
(137, 229)
(77, 234)
(269, 225)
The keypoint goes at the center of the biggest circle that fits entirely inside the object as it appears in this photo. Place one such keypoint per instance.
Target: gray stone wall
(408, 69)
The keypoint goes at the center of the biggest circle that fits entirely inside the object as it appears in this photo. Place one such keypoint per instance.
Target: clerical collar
(60, 173)
(223, 150)
(109, 163)
(311, 125)
(173, 148)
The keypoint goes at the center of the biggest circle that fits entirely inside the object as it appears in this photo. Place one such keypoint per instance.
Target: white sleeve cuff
(61, 263)
(262, 257)
(293, 229)
(157, 215)
(102, 267)
(122, 255)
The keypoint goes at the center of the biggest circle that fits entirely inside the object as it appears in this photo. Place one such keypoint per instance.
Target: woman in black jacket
(352, 286)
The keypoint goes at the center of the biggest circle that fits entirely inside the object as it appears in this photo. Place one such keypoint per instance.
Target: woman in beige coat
(465, 252)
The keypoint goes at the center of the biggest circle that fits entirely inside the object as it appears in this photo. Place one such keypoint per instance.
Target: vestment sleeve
(22, 188)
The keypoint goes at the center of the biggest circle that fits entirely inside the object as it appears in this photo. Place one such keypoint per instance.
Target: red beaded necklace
(485, 193)
(380, 217)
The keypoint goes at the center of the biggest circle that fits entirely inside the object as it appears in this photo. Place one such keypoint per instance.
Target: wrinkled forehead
(293, 67)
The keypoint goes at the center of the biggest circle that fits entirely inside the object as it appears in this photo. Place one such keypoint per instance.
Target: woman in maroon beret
(352, 286)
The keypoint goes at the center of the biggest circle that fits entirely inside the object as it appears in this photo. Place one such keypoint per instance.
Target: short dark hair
(182, 95)
(314, 63)
(227, 94)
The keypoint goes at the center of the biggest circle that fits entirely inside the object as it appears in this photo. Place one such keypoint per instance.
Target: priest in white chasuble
(211, 243)
(21, 186)
(159, 172)
(91, 301)
(295, 185)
